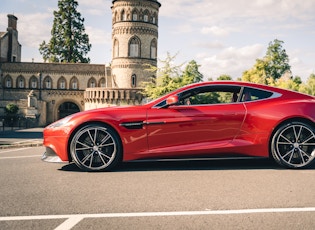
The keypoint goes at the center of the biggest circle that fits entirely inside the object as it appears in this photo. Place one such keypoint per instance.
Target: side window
(210, 95)
(251, 94)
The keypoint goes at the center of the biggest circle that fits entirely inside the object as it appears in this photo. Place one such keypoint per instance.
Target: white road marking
(29, 140)
(70, 223)
(73, 220)
(14, 150)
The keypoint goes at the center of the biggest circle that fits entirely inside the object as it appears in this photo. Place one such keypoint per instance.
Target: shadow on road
(194, 165)
(22, 134)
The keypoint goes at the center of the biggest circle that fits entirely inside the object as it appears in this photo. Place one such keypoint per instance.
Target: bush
(11, 109)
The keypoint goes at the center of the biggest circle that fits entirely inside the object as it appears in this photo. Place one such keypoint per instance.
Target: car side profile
(208, 119)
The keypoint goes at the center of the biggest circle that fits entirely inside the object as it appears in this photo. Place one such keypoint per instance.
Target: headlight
(61, 122)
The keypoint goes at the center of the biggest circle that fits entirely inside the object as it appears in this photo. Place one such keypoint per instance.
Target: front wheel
(293, 145)
(95, 147)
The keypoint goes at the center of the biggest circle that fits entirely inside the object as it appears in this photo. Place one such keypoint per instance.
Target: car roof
(284, 92)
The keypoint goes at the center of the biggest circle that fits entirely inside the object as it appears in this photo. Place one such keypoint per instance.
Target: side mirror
(172, 100)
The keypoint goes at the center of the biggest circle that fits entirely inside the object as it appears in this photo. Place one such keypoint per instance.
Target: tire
(96, 147)
(293, 145)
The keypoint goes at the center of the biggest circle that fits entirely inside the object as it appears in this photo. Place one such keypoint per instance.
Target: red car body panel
(150, 132)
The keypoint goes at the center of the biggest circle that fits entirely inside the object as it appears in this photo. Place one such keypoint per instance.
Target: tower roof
(113, 1)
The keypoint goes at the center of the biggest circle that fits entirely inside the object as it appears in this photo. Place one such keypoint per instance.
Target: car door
(194, 126)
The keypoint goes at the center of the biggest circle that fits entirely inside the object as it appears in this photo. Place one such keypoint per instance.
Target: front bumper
(51, 156)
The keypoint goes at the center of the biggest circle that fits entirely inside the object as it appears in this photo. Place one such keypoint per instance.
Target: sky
(223, 37)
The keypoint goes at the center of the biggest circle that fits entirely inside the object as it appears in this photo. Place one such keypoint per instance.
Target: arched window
(47, 82)
(74, 83)
(135, 15)
(123, 15)
(134, 47)
(154, 19)
(133, 81)
(20, 82)
(146, 16)
(8, 82)
(115, 17)
(33, 82)
(62, 83)
(116, 48)
(153, 49)
(91, 83)
(102, 83)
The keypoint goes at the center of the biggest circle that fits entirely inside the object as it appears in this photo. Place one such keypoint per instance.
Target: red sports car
(200, 120)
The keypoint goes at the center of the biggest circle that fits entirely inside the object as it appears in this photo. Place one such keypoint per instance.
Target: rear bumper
(51, 156)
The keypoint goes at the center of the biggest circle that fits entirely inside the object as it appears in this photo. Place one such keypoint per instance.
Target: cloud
(212, 12)
(210, 45)
(231, 60)
(215, 30)
(98, 36)
(95, 7)
(34, 28)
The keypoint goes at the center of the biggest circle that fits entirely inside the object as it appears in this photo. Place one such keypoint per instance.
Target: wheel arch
(89, 123)
(287, 121)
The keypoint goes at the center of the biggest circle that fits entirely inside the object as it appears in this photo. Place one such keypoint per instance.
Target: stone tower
(134, 41)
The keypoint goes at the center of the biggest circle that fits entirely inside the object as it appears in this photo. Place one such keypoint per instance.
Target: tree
(309, 86)
(191, 73)
(277, 59)
(271, 67)
(171, 77)
(224, 77)
(257, 73)
(288, 82)
(69, 42)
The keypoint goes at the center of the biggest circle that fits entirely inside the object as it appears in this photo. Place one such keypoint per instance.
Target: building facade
(50, 91)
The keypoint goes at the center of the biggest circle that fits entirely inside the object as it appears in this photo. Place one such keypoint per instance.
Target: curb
(20, 145)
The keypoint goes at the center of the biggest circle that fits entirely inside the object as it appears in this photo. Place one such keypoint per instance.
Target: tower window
(134, 47)
(146, 16)
(116, 48)
(135, 16)
(133, 81)
(154, 19)
(153, 50)
(123, 16)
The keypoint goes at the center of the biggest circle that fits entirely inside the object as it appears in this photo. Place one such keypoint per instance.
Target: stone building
(50, 91)
(10, 48)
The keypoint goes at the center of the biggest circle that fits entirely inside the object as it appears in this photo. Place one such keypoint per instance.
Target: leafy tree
(271, 67)
(11, 109)
(224, 77)
(288, 82)
(257, 73)
(69, 42)
(191, 73)
(170, 77)
(278, 60)
(309, 86)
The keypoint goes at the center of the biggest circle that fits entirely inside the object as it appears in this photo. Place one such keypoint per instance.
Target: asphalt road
(22, 137)
(241, 194)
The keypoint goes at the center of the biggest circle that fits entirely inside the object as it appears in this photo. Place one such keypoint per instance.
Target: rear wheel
(293, 145)
(95, 147)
